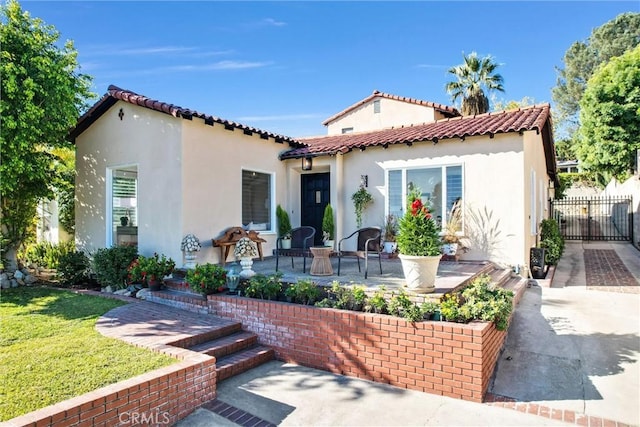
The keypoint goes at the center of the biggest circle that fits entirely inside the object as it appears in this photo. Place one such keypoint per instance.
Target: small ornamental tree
(418, 233)
(284, 223)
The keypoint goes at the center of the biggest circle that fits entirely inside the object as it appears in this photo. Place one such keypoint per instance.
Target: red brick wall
(160, 397)
(449, 359)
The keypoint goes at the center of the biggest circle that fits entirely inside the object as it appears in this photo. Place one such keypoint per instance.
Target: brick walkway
(565, 415)
(605, 271)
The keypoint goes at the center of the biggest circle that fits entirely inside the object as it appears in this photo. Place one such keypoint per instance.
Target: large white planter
(190, 259)
(420, 272)
(247, 272)
(285, 244)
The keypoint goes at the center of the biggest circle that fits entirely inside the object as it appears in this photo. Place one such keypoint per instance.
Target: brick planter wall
(160, 397)
(450, 359)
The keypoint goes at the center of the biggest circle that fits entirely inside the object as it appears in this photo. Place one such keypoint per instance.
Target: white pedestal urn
(190, 259)
(420, 272)
(450, 249)
(247, 272)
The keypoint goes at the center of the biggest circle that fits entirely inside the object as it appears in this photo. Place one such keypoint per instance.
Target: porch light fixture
(307, 163)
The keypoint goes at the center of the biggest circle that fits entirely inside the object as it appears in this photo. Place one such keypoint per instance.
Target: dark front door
(315, 197)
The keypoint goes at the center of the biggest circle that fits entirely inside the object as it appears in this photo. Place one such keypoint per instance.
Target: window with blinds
(442, 186)
(125, 195)
(256, 200)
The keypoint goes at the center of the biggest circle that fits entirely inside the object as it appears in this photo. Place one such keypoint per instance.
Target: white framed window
(442, 186)
(257, 200)
(122, 205)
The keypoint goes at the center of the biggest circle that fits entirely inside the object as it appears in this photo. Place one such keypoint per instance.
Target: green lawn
(50, 350)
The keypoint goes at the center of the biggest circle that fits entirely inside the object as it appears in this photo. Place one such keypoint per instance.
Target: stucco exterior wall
(536, 211)
(493, 182)
(213, 160)
(392, 113)
(149, 141)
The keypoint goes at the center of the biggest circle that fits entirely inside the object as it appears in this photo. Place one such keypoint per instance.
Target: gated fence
(594, 218)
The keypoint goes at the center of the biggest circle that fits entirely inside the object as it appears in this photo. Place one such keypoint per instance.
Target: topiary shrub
(111, 265)
(284, 223)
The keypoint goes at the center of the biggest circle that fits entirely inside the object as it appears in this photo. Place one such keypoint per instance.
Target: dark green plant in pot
(207, 279)
(284, 223)
(328, 228)
(551, 240)
(111, 265)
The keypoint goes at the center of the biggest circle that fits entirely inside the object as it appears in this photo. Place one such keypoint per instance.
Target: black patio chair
(301, 241)
(369, 243)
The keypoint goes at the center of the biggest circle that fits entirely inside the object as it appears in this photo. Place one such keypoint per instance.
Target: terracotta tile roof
(524, 119)
(445, 109)
(115, 94)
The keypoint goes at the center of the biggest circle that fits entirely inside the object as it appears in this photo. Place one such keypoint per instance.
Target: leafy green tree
(564, 150)
(583, 58)
(42, 96)
(502, 104)
(474, 79)
(610, 117)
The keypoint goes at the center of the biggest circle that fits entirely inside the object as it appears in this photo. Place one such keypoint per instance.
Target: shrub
(551, 239)
(207, 279)
(347, 298)
(303, 292)
(377, 303)
(418, 233)
(156, 267)
(264, 287)
(481, 300)
(74, 268)
(111, 265)
(46, 254)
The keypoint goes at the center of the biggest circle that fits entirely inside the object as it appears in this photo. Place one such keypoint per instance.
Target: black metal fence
(594, 218)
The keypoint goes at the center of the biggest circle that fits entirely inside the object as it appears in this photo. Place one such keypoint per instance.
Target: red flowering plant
(207, 279)
(144, 269)
(418, 233)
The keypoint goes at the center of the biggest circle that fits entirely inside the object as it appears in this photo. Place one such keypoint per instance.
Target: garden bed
(444, 358)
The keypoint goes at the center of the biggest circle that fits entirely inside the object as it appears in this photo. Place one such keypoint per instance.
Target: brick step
(242, 361)
(177, 283)
(227, 345)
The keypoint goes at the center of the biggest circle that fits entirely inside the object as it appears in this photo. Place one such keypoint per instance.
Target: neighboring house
(188, 172)
(565, 166)
(48, 227)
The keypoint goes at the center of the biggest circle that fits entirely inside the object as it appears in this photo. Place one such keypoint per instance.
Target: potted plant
(151, 270)
(207, 279)
(419, 245)
(450, 236)
(284, 227)
(328, 228)
(361, 199)
(390, 230)
(246, 250)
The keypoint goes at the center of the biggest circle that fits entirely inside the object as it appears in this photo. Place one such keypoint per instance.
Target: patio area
(451, 274)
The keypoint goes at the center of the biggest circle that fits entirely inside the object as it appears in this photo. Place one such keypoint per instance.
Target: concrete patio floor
(450, 274)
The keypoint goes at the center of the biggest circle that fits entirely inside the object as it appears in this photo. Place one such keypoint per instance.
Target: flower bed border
(443, 358)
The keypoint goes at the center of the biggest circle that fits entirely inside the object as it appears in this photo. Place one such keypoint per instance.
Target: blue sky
(287, 66)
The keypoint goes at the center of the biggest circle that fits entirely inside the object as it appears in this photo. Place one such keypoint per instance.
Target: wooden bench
(231, 237)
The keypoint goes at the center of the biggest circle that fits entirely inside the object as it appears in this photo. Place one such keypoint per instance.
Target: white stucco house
(172, 171)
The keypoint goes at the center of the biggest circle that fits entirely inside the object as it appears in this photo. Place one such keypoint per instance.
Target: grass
(50, 350)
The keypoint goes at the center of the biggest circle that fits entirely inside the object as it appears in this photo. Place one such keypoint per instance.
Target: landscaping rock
(142, 293)
(14, 283)
(107, 289)
(5, 281)
(30, 279)
(18, 275)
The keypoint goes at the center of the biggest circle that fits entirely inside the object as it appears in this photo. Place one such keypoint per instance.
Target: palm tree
(473, 77)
